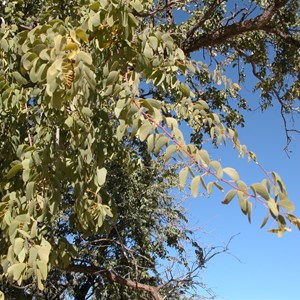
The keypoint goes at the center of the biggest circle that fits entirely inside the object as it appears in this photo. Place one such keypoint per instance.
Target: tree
(92, 98)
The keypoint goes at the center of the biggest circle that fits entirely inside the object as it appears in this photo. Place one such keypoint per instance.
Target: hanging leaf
(229, 196)
(183, 177)
(261, 190)
(232, 173)
(195, 186)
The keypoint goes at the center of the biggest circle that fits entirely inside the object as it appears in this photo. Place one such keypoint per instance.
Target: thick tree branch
(285, 36)
(113, 277)
(261, 22)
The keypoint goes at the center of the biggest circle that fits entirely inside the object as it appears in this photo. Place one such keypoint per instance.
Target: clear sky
(262, 266)
(267, 267)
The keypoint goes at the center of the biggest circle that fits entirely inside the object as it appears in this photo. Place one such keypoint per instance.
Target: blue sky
(268, 266)
(262, 266)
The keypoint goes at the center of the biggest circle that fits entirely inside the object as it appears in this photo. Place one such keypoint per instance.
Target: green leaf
(232, 173)
(273, 206)
(144, 130)
(217, 167)
(112, 77)
(249, 211)
(209, 187)
(185, 89)
(82, 34)
(243, 202)
(16, 270)
(279, 181)
(204, 156)
(153, 42)
(19, 78)
(229, 196)
(265, 220)
(137, 5)
(30, 190)
(14, 170)
(261, 190)
(18, 245)
(161, 142)
(86, 58)
(195, 185)
(170, 151)
(101, 176)
(42, 265)
(287, 204)
(242, 186)
(148, 52)
(183, 177)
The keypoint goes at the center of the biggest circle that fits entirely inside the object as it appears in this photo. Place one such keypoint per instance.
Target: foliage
(93, 94)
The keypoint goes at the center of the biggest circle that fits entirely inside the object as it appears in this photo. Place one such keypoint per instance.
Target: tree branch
(113, 277)
(205, 17)
(261, 22)
(285, 36)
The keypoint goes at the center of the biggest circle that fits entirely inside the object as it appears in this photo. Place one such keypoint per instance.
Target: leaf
(217, 167)
(242, 185)
(229, 196)
(261, 190)
(30, 190)
(249, 211)
(42, 265)
(278, 231)
(137, 5)
(82, 34)
(185, 89)
(204, 156)
(162, 141)
(265, 220)
(170, 151)
(101, 176)
(14, 170)
(39, 279)
(232, 173)
(16, 270)
(153, 42)
(112, 77)
(287, 204)
(18, 245)
(86, 58)
(273, 206)
(278, 179)
(71, 46)
(148, 52)
(19, 78)
(209, 187)
(243, 202)
(195, 185)
(183, 176)
(144, 130)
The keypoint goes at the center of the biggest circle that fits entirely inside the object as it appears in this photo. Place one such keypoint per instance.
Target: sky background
(260, 265)
(266, 267)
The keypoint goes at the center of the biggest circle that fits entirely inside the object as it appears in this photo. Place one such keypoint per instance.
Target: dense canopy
(105, 107)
